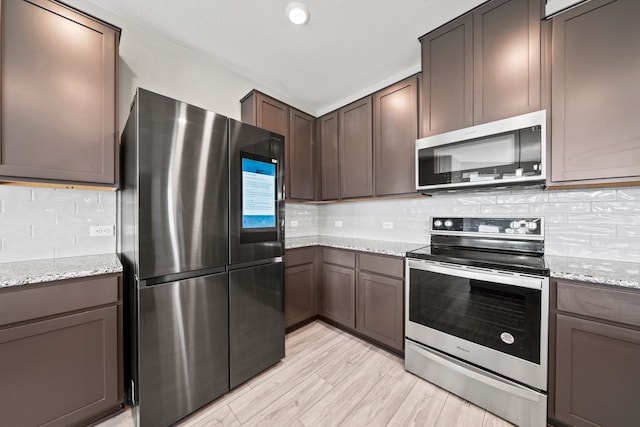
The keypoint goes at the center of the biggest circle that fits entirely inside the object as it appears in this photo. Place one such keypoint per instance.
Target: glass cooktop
(496, 260)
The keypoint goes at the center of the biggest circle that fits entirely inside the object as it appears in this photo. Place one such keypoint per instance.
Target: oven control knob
(437, 223)
(514, 224)
(532, 225)
(448, 223)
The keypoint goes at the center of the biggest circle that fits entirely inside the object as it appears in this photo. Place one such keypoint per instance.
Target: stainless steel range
(477, 312)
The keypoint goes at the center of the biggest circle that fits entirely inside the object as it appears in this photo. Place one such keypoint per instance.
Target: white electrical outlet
(100, 230)
(294, 223)
(337, 224)
(387, 225)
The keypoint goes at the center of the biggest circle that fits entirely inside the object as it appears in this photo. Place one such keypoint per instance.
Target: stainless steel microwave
(505, 152)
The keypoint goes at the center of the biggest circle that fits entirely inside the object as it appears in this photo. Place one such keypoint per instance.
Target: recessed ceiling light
(298, 13)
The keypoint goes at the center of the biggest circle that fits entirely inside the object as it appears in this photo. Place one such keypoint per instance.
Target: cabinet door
(506, 66)
(597, 373)
(596, 92)
(395, 129)
(60, 371)
(299, 294)
(301, 158)
(356, 149)
(329, 156)
(273, 115)
(58, 95)
(339, 294)
(447, 72)
(380, 314)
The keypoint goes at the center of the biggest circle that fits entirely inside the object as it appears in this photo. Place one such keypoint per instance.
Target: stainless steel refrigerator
(201, 240)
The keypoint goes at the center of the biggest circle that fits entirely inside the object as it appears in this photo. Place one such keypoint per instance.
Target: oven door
(496, 320)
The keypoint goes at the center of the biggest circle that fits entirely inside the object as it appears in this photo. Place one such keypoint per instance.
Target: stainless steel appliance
(477, 304)
(202, 232)
(504, 152)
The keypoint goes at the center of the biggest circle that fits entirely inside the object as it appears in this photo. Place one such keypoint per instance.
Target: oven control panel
(516, 227)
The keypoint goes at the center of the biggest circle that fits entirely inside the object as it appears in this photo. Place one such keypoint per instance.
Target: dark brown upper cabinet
(58, 95)
(356, 149)
(268, 113)
(395, 129)
(298, 129)
(447, 75)
(301, 155)
(506, 59)
(328, 133)
(482, 66)
(596, 94)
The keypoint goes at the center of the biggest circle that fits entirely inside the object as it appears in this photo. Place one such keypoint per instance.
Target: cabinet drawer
(616, 305)
(339, 257)
(26, 302)
(293, 257)
(387, 265)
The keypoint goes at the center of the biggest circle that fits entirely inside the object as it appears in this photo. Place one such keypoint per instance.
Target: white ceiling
(347, 49)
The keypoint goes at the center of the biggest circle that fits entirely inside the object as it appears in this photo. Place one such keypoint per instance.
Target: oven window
(502, 317)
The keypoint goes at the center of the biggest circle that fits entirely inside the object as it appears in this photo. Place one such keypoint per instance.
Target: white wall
(600, 224)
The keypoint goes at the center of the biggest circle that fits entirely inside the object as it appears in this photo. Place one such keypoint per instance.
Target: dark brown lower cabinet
(379, 314)
(364, 292)
(597, 354)
(339, 294)
(300, 290)
(63, 369)
(597, 373)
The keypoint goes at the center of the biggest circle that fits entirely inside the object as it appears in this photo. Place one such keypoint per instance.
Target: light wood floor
(331, 378)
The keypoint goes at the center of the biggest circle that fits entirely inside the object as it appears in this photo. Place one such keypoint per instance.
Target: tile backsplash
(38, 223)
(601, 224)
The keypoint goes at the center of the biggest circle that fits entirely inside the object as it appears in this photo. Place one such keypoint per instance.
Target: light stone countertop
(363, 245)
(48, 270)
(617, 273)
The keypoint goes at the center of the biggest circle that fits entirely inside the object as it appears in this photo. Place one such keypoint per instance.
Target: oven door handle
(477, 274)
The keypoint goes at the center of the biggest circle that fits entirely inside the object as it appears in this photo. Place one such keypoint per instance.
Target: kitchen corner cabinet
(482, 66)
(300, 285)
(297, 128)
(364, 293)
(58, 95)
(328, 136)
(355, 145)
(395, 129)
(61, 352)
(595, 131)
(597, 348)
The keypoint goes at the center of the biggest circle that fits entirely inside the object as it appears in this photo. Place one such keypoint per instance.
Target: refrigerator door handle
(160, 280)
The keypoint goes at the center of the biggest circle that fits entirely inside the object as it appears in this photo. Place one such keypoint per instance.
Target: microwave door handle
(477, 274)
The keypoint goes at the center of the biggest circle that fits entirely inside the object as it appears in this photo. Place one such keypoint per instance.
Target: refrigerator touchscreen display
(258, 193)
